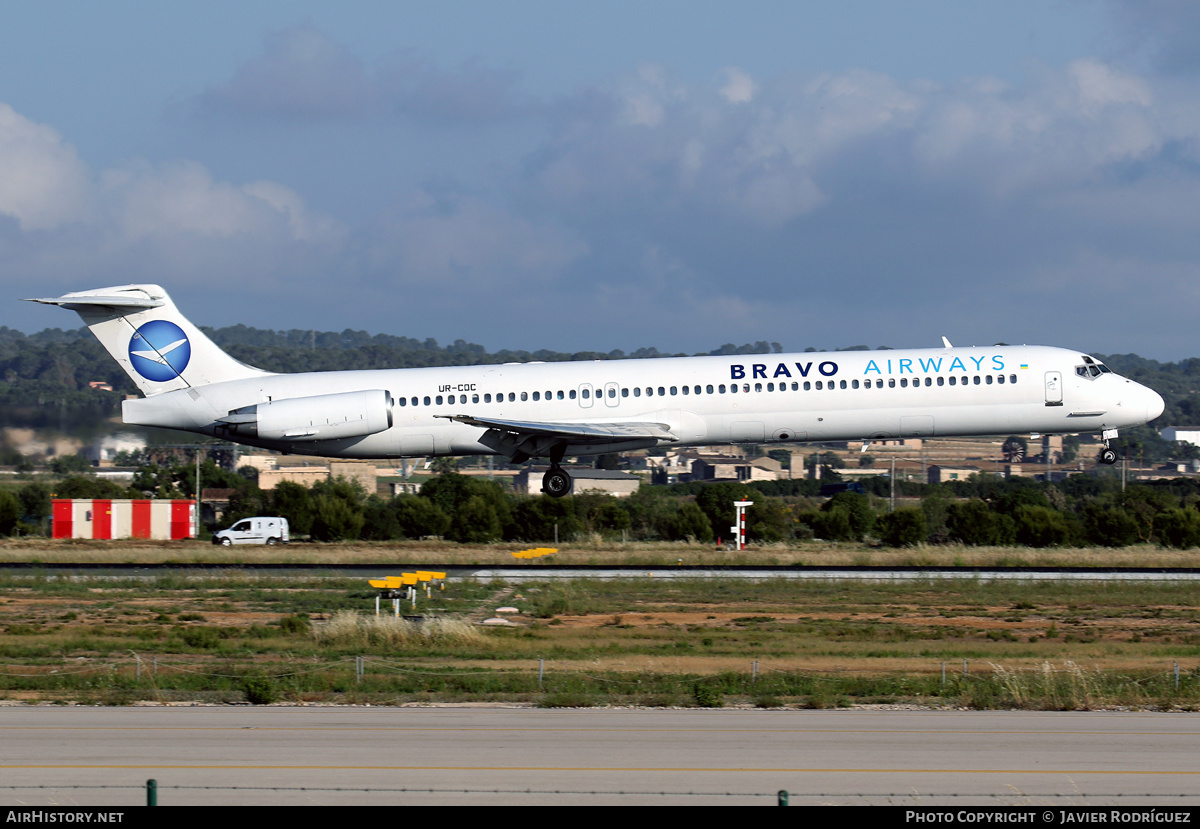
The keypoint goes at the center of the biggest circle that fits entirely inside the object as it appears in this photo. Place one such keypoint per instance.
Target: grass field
(232, 637)
(597, 551)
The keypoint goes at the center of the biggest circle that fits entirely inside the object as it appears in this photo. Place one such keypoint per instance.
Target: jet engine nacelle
(321, 417)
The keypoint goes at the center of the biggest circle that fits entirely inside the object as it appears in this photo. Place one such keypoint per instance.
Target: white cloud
(818, 190)
(180, 198)
(685, 149)
(303, 224)
(302, 73)
(1101, 85)
(768, 160)
(739, 87)
(462, 242)
(647, 96)
(1064, 129)
(744, 204)
(1167, 30)
(139, 221)
(43, 184)
(140, 200)
(411, 84)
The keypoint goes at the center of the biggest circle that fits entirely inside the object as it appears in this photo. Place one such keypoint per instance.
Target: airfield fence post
(541, 673)
(151, 792)
(1177, 677)
(943, 674)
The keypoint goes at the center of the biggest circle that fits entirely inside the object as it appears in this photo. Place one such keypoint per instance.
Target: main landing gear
(556, 482)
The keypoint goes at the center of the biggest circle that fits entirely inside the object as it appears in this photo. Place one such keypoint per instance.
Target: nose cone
(1154, 404)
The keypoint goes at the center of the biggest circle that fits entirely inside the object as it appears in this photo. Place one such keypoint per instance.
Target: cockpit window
(1091, 368)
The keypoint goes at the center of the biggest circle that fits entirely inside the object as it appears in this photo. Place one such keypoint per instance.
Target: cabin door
(1054, 395)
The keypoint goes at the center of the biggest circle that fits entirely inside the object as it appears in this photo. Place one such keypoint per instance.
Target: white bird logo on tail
(159, 351)
(159, 355)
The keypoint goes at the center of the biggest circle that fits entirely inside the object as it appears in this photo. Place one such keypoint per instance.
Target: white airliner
(551, 410)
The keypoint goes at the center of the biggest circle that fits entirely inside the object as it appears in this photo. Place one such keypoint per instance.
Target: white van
(270, 530)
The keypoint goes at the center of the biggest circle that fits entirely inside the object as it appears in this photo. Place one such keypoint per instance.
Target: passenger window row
(732, 388)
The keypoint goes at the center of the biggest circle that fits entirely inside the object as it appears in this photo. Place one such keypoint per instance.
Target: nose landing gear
(1109, 455)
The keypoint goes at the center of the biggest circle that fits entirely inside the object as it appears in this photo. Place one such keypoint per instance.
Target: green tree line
(1083, 510)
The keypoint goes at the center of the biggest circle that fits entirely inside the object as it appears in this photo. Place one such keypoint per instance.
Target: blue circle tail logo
(159, 351)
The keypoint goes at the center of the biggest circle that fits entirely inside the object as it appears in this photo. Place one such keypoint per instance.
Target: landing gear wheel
(1108, 456)
(556, 483)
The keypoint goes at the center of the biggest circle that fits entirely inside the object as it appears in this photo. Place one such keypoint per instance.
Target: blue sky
(583, 176)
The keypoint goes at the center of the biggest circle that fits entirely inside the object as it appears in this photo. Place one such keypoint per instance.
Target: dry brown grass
(347, 627)
(1003, 644)
(650, 554)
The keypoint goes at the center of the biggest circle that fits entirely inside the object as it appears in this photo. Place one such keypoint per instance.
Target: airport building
(1173, 433)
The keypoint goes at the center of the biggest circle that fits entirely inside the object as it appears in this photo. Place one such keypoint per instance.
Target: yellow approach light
(536, 552)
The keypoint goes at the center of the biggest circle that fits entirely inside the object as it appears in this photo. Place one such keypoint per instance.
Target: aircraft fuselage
(763, 399)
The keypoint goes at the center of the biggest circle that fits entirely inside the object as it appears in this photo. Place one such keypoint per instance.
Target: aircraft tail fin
(156, 345)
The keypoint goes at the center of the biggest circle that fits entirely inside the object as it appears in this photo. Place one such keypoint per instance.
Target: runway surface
(508, 756)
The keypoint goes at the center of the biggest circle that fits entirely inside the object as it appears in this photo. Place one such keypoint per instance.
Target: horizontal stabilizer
(116, 301)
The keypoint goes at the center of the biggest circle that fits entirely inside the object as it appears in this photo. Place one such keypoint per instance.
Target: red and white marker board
(106, 518)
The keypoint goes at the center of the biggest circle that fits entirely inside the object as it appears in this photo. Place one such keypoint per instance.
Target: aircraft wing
(574, 432)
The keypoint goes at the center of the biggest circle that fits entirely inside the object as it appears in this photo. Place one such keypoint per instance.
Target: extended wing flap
(575, 432)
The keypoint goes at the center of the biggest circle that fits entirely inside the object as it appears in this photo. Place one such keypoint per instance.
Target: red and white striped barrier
(124, 518)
